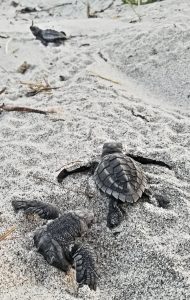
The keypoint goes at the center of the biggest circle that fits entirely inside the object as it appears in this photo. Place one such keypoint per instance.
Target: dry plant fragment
(139, 115)
(36, 88)
(105, 78)
(7, 45)
(4, 107)
(94, 14)
(5, 234)
(70, 280)
(4, 36)
(23, 68)
(133, 9)
(34, 10)
(3, 90)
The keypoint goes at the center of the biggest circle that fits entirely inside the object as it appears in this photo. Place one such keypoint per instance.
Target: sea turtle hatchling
(48, 35)
(57, 241)
(119, 177)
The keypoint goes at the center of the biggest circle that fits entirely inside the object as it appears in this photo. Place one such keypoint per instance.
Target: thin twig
(34, 85)
(5, 234)
(4, 69)
(45, 9)
(102, 56)
(33, 93)
(139, 115)
(88, 9)
(56, 6)
(104, 9)
(105, 78)
(4, 36)
(132, 7)
(9, 108)
(36, 88)
(3, 90)
(94, 14)
(7, 45)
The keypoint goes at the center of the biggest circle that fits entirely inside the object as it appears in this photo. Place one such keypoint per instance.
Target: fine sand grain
(124, 81)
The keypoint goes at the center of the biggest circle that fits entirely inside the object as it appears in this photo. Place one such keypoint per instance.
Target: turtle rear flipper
(51, 250)
(45, 211)
(85, 266)
(115, 214)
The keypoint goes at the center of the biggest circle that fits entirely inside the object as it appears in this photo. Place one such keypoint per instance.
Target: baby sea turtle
(57, 243)
(48, 35)
(119, 177)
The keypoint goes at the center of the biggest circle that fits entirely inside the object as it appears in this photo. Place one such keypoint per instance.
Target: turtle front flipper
(84, 264)
(51, 250)
(88, 167)
(149, 161)
(44, 42)
(115, 214)
(45, 211)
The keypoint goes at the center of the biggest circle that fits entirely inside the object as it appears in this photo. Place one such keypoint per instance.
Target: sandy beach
(122, 79)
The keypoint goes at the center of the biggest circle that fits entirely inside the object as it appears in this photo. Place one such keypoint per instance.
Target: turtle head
(109, 148)
(35, 30)
(86, 217)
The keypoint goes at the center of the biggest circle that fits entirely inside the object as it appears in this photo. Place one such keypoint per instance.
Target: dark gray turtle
(57, 244)
(119, 177)
(48, 35)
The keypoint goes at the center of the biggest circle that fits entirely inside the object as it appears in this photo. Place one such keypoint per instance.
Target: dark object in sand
(23, 67)
(48, 35)
(14, 3)
(4, 107)
(57, 244)
(3, 90)
(119, 177)
(28, 10)
(62, 78)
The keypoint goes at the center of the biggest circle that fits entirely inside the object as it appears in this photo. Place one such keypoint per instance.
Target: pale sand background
(149, 257)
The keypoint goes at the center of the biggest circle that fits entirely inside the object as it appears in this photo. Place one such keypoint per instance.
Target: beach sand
(125, 81)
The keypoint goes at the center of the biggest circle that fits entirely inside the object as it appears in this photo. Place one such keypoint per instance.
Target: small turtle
(48, 35)
(56, 242)
(119, 177)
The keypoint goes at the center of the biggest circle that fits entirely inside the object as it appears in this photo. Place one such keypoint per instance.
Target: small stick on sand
(8, 108)
(3, 90)
(94, 14)
(105, 78)
(37, 88)
(4, 36)
(34, 10)
(5, 234)
(139, 115)
(132, 7)
(7, 45)
(4, 69)
(88, 9)
(104, 9)
(102, 56)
